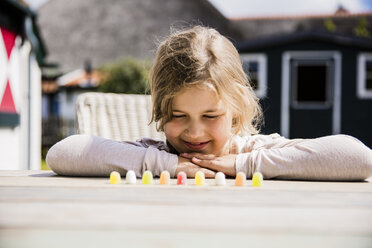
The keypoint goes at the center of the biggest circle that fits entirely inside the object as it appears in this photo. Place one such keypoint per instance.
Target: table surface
(41, 209)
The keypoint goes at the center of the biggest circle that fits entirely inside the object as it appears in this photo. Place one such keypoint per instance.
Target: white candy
(220, 179)
(130, 177)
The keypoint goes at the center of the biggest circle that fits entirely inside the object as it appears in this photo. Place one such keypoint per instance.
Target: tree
(330, 25)
(361, 29)
(127, 75)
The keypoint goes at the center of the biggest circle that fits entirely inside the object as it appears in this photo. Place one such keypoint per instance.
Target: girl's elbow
(362, 155)
(368, 164)
(54, 157)
(66, 152)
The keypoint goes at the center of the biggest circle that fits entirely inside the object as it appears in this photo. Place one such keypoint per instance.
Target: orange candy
(240, 179)
(165, 178)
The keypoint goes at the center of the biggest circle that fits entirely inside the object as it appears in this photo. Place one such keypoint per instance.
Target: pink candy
(181, 178)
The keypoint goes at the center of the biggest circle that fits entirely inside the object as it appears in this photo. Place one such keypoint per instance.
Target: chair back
(121, 117)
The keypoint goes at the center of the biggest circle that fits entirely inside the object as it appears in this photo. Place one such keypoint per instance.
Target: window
(364, 80)
(311, 82)
(309, 63)
(254, 65)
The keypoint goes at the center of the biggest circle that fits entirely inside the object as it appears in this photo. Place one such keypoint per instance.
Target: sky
(254, 8)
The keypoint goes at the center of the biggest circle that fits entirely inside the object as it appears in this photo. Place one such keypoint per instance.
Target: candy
(181, 178)
(240, 179)
(130, 177)
(220, 179)
(165, 178)
(115, 178)
(199, 178)
(257, 179)
(147, 178)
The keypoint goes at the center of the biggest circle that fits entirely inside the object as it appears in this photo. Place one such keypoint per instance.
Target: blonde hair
(202, 56)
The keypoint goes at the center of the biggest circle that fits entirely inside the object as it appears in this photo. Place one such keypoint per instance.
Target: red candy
(181, 178)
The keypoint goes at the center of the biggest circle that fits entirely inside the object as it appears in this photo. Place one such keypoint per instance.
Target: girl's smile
(196, 145)
(200, 122)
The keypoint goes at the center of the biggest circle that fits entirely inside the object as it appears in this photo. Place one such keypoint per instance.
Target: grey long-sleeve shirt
(333, 158)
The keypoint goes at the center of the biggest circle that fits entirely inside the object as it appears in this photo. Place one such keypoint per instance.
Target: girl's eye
(178, 116)
(211, 116)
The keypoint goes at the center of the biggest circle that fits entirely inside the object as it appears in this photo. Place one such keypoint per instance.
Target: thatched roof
(103, 31)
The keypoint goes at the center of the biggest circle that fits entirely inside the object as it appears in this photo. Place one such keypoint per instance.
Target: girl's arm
(331, 158)
(84, 155)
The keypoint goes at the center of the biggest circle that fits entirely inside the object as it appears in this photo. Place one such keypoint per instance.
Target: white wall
(35, 110)
(10, 148)
(20, 147)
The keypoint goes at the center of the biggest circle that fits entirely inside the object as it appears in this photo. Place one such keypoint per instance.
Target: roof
(339, 14)
(109, 30)
(268, 26)
(21, 20)
(283, 39)
(79, 78)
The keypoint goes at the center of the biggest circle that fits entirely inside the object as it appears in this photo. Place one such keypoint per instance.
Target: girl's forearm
(84, 155)
(331, 158)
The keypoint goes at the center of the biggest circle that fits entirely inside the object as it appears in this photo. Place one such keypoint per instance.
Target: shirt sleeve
(329, 158)
(84, 155)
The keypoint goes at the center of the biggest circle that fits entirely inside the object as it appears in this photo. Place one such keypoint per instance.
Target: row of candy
(220, 180)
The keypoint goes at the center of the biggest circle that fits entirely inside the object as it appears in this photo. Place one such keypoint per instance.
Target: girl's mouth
(196, 145)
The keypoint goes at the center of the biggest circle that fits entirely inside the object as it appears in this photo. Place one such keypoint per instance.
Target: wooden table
(41, 209)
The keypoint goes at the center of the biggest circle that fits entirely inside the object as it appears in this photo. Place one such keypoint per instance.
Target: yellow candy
(199, 178)
(165, 178)
(147, 178)
(240, 179)
(257, 179)
(115, 178)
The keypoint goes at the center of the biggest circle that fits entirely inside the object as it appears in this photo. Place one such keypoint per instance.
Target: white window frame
(285, 99)
(362, 92)
(260, 58)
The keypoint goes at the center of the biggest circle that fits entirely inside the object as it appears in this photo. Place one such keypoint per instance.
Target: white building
(21, 53)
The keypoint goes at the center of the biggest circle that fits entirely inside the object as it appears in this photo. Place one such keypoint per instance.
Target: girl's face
(200, 122)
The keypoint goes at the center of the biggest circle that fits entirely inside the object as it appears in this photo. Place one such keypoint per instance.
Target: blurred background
(309, 61)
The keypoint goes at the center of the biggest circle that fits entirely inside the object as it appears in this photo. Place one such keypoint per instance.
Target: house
(59, 94)
(21, 55)
(312, 84)
(73, 84)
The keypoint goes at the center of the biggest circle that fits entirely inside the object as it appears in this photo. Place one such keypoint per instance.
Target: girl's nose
(195, 130)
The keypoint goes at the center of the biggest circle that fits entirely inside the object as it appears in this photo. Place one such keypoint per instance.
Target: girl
(204, 104)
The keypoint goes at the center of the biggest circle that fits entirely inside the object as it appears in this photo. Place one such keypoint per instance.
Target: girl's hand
(225, 164)
(185, 165)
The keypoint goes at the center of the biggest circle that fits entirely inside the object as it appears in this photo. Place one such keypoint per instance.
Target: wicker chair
(115, 116)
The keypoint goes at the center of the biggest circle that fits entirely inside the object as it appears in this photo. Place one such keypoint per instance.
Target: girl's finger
(208, 173)
(210, 164)
(198, 155)
(191, 171)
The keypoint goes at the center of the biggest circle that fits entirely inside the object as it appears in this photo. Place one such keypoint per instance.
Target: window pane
(311, 83)
(251, 70)
(369, 74)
